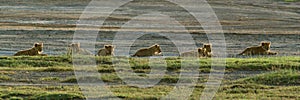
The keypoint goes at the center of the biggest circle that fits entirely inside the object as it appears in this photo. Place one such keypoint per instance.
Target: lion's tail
(244, 52)
(17, 54)
(240, 54)
(134, 55)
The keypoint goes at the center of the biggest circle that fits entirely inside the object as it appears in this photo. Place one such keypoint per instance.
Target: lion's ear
(264, 43)
(78, 44)
(156, 45)
(199, 49)
(36, 44)
(111, 46)
(206, 45)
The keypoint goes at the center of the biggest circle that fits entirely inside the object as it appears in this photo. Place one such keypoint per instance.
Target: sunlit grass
(280, 80)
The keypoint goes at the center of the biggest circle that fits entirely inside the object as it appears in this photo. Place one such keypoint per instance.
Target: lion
(36, 50)
(205, 51)
(74, 48)
(202, 52)
(263, 49)
(192, 53)
(106, 51)
(150, 51)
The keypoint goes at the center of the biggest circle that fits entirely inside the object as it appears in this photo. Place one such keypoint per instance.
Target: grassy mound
(204, 64)
(289, 0)
(282, 77)
(106, 65)
(58, 96)
(263, 63)
(34, 61)
(4, 78)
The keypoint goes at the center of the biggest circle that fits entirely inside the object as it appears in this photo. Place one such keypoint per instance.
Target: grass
(4, 78)
(40, 92)
(291, 0)
(35, 61)
(63, 63)
(57, 96)
(280, 79)
(232, 64)
(69, 80)
(49, 79)
(263, 63)
(288, 0)
(256, 91)
(114, 78)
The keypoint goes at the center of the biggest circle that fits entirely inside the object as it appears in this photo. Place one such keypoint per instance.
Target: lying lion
(193, 53)
(106, 51)
(263, 49)
(36, 50)
(74, 48)
(205, 51)
(150, 51)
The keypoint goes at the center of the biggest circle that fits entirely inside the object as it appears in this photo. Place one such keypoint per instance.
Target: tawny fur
(74, 48)
(263, 49)
(36, 50)
(150, 51)
(193, 53)
(202, 52)
(205, 51)
(106, 51)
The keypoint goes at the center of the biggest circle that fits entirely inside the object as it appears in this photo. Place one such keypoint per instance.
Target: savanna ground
(244, 78)
(245, 23)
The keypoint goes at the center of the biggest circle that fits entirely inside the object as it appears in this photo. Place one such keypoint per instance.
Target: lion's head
(38, 46)
(156, 48)
(75, 46)
(201, 52)
(266, 45)
(207, 47)
(110, 48)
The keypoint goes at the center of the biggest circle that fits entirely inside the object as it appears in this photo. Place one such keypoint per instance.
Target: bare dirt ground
(245, 23)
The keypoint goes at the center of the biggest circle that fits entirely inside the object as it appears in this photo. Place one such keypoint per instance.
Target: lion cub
(263, 49)
(75, 48)
(36, 50)
(106, 51)
(150, 51)
(205, 51)
(193, 53)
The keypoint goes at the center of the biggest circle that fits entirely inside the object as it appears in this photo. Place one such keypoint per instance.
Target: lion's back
(29, 52)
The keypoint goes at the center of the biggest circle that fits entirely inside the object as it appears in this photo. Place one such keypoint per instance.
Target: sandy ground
(245, 23)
